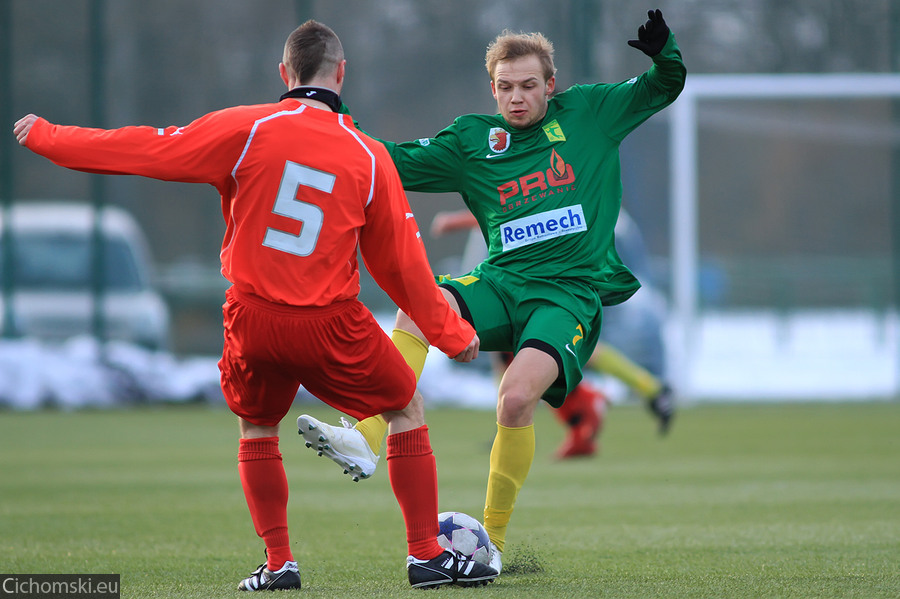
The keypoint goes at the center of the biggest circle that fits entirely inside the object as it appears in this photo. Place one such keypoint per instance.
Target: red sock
(266, 490)
(413, 475)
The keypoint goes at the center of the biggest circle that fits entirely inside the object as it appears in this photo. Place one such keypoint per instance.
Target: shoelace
(458, 563)
(256, 577)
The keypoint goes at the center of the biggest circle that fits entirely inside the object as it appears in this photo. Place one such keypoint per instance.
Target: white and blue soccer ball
(465, 535)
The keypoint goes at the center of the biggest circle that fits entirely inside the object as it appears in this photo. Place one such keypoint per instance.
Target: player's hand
(471, 352)
(23, 127)
(652, 35)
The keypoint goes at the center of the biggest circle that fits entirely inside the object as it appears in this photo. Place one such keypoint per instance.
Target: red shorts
(339, 353)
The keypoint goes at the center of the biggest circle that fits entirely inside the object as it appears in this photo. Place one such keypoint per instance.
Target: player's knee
(515, 406)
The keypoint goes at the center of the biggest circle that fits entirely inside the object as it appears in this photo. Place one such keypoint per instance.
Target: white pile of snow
(84, 373)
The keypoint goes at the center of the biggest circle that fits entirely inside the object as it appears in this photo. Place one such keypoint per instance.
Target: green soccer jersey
(547, 197)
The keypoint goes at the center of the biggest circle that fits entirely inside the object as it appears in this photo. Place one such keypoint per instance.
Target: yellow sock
(414, 351)
(373, 429)
(611, 361)
(511, 458)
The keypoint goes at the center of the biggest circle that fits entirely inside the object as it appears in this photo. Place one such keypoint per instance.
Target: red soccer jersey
(301, 188)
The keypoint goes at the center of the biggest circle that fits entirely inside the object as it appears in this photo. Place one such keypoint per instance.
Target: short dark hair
(312, 49)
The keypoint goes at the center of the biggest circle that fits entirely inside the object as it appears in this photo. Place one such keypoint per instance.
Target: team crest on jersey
(554, 132)
(498, 140)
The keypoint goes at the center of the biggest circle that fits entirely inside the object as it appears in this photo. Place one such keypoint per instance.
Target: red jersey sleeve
(201, 152)
(394, 254)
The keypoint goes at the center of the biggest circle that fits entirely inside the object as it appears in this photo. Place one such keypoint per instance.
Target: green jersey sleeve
(621, 107)
(430, 164)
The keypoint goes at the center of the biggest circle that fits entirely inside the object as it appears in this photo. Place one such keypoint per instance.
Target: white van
(52, 293)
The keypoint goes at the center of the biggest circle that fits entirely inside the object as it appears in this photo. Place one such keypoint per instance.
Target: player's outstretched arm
(652, 35)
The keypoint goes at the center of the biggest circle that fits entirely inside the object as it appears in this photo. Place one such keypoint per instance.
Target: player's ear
(282, 70)
(341, 72)
(551, 85)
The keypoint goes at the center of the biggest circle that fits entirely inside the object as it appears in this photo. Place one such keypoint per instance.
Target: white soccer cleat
(345, 446)
(496, 559)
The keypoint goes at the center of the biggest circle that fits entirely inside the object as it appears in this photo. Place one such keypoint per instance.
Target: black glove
(652, 35)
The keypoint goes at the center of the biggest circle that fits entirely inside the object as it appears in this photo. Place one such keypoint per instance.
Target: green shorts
(510, 311)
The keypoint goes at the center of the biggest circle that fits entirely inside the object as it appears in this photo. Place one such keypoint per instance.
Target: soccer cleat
(663, 408)
(577, 444)
(448, 568)
(496, 559)
(584, 423)
(345, 446)
(263, 579)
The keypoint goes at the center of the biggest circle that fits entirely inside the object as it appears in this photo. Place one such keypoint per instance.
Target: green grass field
(739, 501)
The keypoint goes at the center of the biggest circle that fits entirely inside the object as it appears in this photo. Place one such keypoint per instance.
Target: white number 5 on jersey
(286, 204)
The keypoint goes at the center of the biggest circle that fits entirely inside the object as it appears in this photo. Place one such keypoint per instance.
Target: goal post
(685, 173)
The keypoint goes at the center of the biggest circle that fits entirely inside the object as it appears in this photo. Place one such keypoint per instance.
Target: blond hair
(509, 46)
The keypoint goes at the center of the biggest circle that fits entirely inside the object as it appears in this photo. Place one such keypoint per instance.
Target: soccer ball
(465, 535)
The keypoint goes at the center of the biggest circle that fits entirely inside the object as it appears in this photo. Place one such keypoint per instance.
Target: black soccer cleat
(263, 579)
(663, 408)
(448, 568)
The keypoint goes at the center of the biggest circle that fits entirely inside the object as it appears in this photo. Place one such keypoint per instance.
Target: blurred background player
(543, 179)
(583, 412)
(302, 192)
